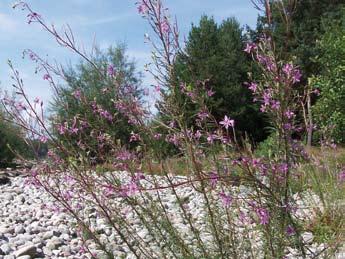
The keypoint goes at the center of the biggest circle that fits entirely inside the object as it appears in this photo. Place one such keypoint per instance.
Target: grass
(321, 177)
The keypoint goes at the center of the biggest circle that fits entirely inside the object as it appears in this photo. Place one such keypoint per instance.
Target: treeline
(309, 33)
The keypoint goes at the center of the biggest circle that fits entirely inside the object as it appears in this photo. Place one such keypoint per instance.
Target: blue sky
(106, 21)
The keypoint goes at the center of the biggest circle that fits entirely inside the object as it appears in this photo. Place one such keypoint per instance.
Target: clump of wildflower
(227, 122)
(341, 176)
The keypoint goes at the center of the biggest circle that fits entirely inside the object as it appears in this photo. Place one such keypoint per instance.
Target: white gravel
(28, 229)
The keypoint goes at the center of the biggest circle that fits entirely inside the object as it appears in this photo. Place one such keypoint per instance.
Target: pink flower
(111, 70)
(142, 7)
(341, 176)
(173, 139)
(253, 87)
(275, 104)
(43, 139)
(129, 189)
(139, 176)
(214, 179)
(20, 106)
(62, 129)
(225, 199)
(287, 69)
(263, 215)
(165, 26)
(134, 137)
(296, 76)
(46, 77)
(77, 94)
(267, 97)
(289, 114)
(250, 47)
(227, 122)
(157, 88)
(290, 230)
(211, 138)
(124, 155)
(202, 115)
(210, 93)
(157, 136)
(197, 134)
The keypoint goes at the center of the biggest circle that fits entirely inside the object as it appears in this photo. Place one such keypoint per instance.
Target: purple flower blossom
(341, 176)
(263, 215)
(157, 88)
(213, 179)
(197, 135)
(43, 139)
(211, 138)
(157, 136)
(111, 70)
(61, 129)
(267, 97)
(74, 130)
(105, 114)
(296, 76)
(173, 139)
(46, 77)
(225, 199)
(142, 7)
(227, 122)
(253, 87)
(129, 189)
(124, 155)
(275, 104)
(134, 137)
(210, 93)
(287, 126)
(289, 114)
(20, 106)
(77, 94)
(139, 176)
(290, 230)
(165, 26)
(287, 69)
(101, 138)
(202, 115)
(262, 108)
(250, 47)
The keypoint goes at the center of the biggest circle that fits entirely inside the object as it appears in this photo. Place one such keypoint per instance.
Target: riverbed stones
(28, 250)
(29, 229)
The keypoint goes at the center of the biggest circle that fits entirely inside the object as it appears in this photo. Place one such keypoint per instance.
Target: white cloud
(90, 21)
(7, 24)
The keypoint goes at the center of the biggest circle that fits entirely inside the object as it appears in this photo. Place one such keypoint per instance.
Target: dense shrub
(329, 110)
(11, 141)
(93, 88)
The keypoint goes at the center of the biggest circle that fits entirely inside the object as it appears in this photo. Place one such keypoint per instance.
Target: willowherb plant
(244, 206)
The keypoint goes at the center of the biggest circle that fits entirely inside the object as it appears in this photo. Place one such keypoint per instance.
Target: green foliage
(269, 147)
(329, 111)
(96, 85)
(11, 141)
(215, 53)
(298, 39)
